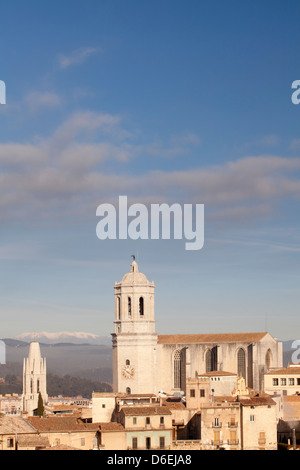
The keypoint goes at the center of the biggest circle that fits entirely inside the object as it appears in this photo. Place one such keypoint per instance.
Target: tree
(40, 408)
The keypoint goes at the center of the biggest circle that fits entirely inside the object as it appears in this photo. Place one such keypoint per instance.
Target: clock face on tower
(128, 372)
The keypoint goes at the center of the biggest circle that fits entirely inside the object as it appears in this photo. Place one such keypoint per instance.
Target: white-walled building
(145, 362)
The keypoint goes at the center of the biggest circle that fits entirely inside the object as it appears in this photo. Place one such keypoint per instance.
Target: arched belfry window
(141, 306)
(128, 390)
(119, 308)
(127, 362)
(129, 306)
(241, 363)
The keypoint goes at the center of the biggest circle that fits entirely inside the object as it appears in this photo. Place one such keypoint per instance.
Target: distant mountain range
(80, 354)
(65, 337)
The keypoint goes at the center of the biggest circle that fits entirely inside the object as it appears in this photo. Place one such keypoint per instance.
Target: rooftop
(211, 338)
(145, 410)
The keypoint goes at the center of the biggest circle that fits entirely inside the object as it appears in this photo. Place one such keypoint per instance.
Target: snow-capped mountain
(76, 337)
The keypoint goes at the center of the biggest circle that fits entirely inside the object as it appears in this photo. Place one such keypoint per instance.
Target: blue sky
(163, 101)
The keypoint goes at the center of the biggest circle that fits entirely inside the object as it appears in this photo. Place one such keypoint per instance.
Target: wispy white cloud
(82, 164)
(77, 57)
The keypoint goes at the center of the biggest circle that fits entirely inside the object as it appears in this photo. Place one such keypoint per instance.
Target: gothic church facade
(145, 362)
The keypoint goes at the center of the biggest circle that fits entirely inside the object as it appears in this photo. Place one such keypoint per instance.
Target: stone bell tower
(134, 338)
(34, 379)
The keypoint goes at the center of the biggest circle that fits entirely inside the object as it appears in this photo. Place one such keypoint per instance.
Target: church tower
(134, 338)
(34, 379)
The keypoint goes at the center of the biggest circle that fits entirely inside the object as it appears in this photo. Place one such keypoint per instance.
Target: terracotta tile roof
(112, 426)
(211, 338)
(285, 371)
(60, 424)
(13, 425)
(145, 410)
(174, 404)
(257, 401)
(216, 373)
(293, 398)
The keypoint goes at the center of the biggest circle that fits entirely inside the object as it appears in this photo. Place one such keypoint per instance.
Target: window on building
(127, 362)
(134, 420)
(119, 308)
(129, 306)
(291, 381)
(134, 443)
(262, 438)
(162, 420)
(10, 443)
(208, 361)
(275, 382)
(103, 405)
(141, 306)
(233, 439)
(298, 381)
(147, 420)
(192, 393)
(216, 422)
(177, 369)
(211, 359)
(202, 392)
(268, 359)
(252, 418)
(283, 382)
(241, 362)
(161, 442)
(128, 390)
(148, 443)
(38, 386)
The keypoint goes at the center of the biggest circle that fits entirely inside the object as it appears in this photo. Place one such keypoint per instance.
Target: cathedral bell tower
(34, 379)
(134, 338)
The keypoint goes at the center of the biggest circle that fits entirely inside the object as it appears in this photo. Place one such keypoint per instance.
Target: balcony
(233, 442)
(217, 442)
(233, 425)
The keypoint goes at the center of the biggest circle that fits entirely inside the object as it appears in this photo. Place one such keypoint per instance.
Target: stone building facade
(145, 362)
(34, 379)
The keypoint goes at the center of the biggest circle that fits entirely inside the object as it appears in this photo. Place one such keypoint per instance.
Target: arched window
(141, 306)
(129, 306)
(211, 360)
(127, 362)
(177, 369)
(268, 359)
(119, 308)
(241, 363)
(128, 390)
(208, 361)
